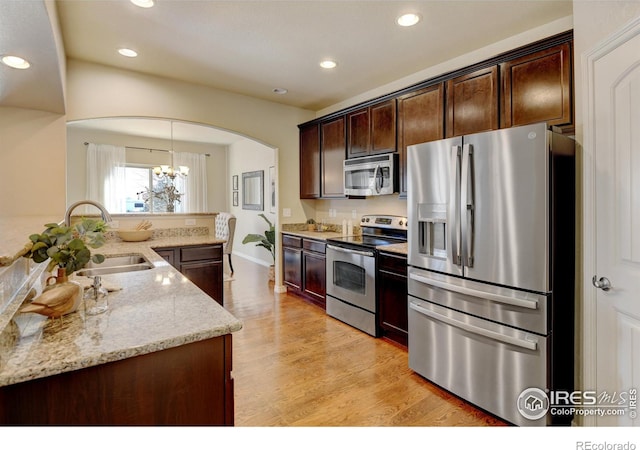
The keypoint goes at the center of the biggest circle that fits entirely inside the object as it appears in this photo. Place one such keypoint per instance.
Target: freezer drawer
(487, 364)
(519, 309)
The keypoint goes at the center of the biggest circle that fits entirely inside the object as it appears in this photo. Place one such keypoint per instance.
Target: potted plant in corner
(268, 241)
(68, 250)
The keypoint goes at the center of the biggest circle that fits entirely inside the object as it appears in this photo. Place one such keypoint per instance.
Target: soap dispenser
(95, 299)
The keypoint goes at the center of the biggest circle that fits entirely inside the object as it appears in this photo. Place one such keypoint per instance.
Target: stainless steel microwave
(371, 175)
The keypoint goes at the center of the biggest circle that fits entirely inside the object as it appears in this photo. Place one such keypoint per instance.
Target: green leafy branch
(68, 247)
(268, 240)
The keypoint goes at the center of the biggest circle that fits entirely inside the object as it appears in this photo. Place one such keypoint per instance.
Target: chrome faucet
(105, 214)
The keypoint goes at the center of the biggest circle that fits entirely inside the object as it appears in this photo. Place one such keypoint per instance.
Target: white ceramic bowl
(134, 235)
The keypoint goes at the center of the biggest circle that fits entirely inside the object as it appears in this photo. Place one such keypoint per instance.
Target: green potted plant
(266, 240)
(68, 247)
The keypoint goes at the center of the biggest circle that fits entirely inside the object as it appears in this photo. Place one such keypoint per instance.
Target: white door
(612, 151)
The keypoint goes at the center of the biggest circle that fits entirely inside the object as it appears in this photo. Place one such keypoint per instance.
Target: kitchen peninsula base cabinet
(201, 264)
(186, 385)
(392, 297)
(304, 268)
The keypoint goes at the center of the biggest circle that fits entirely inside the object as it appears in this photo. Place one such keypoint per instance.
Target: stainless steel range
(351, 270)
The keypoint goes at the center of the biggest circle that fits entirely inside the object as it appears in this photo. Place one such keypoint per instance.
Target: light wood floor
(295, 366)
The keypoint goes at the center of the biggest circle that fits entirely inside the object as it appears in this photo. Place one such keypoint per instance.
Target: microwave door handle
(467, 204)
(377, 173)
(454, 207)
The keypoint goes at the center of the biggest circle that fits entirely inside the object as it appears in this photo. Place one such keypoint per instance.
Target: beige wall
(249, 156)
(32, 156)
(99, 91)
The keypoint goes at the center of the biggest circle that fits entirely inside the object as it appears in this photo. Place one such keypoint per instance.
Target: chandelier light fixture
(171, 171)
(167, 192)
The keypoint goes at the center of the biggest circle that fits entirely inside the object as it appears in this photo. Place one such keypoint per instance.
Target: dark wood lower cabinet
(392, 297)
(186, 385)
(201, 264)
(314, 275)
(304, 268)
(292, 262)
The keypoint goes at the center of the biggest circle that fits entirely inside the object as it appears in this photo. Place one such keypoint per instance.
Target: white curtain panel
(106, 176)
(194, 185)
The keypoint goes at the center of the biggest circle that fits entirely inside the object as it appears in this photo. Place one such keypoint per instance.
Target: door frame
(589, 318)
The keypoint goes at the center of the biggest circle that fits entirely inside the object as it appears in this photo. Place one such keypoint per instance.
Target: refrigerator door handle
(467, 204)
(529, 345)
(520, 302)
(455, 232)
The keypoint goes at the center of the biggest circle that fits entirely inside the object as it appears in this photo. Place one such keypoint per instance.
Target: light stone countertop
(156, 309)
(319, 235)
(401, 249)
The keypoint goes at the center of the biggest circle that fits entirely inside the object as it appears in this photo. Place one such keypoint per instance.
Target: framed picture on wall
(235, 183)
(235, 198)
(272, 189)
(253, 190)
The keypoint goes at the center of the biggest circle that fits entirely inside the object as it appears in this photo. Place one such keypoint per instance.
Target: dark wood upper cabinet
(530, 84)
(420, 119)
(310, 161)
(472, 102)
(332, 155)
(372, 130)
(537, 88)
(359, 133)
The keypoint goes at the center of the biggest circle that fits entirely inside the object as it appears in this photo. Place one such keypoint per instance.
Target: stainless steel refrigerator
(491, 269)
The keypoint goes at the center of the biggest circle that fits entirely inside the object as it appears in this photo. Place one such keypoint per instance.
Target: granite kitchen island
(161, 353)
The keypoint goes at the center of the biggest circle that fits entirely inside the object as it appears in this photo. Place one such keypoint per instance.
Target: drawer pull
(529, 304)
(529, 345)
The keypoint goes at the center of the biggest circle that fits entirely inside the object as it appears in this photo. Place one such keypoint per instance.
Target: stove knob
(400, 223)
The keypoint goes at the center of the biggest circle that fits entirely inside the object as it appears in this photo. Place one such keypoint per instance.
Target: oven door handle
(521, 302)
(529, 345)
(349, 250)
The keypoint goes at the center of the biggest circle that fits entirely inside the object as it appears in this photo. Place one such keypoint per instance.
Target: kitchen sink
(116, 264)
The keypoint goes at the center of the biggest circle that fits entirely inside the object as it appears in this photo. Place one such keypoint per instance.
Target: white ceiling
(252, 47)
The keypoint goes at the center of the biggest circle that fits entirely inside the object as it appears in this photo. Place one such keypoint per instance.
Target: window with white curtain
(105, 176)
(128, 188)
(194, 186)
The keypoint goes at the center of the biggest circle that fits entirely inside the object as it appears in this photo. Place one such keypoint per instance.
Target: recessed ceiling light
(280, 91)
(16, 62)
(408, 20)
(143, 3)
(328, 64)
(128, 52)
